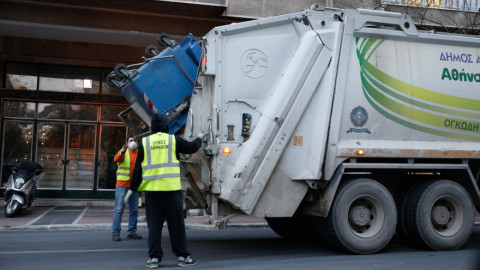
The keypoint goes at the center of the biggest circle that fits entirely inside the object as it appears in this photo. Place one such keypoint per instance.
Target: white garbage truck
(347, 124)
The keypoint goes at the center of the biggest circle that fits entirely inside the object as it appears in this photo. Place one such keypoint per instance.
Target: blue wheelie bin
(165, 81)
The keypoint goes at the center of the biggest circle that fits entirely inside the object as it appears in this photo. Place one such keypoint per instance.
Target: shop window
(70, 79)
(110, 114)
(20, 76)
(67, 111)
(17, 143)
(19, 109)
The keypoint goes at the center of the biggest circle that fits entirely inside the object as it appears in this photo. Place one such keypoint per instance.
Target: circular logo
(359, 116)
(254, 63)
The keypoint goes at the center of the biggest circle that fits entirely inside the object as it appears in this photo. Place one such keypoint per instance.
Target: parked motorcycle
(21, 186)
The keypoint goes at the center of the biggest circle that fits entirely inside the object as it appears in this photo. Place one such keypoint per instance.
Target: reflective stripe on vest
(123, 170)
(160, 166)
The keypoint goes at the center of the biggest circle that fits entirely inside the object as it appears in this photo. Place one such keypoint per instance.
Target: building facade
(55, 106)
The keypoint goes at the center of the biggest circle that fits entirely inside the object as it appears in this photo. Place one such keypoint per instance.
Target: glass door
(112, 138)
(66, 152)
(51, 153)
(80, 156)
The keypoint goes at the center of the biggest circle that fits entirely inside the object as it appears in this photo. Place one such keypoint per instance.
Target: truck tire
(363, 217)
(401, 200)
(439, 215)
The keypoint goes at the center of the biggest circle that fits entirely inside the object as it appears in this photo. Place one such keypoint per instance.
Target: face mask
(132, 145)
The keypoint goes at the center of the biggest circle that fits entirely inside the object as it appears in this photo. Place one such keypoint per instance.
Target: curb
(108, 226)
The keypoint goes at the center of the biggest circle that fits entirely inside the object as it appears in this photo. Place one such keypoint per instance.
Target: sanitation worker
(125, 159)
(157, 172)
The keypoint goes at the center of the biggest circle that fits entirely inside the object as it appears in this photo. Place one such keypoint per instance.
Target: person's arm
(120, 156)
(137, 170)
(186, 147)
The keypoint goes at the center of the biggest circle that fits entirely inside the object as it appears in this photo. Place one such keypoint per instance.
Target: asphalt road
(251, 248)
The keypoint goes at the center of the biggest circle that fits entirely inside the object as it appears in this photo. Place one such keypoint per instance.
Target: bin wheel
(112, 80)
(151, 51)
(121, 71)
(165, 40)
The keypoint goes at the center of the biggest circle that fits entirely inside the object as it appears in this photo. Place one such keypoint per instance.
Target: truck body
(348, 124)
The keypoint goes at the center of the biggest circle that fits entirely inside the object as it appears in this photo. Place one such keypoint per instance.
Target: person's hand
(200, 135)
(124, 149)
(127, 196)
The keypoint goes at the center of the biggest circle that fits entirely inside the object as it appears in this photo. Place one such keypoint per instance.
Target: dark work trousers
(161, 206)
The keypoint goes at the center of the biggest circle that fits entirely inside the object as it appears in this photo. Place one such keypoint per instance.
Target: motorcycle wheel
(12, 208)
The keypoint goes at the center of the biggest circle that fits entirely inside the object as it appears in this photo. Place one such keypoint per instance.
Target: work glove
(127, 196)
(201, 135)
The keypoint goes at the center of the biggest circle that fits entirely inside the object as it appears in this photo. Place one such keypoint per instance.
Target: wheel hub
(359, 215)
(440, 215)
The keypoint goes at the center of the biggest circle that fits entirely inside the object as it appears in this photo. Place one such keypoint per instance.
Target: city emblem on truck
(359, 117)
(254, 63)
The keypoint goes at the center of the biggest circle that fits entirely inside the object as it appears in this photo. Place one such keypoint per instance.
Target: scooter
(21, 186)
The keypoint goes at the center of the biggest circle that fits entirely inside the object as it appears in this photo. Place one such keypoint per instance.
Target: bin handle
(191, 121)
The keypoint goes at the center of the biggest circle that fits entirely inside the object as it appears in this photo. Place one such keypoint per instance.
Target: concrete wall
(266, 8)
(441, 19)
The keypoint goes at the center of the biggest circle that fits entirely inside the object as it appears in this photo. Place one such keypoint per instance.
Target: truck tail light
(226, 150)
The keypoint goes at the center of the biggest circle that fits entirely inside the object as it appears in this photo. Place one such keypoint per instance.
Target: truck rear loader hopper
(350, 125)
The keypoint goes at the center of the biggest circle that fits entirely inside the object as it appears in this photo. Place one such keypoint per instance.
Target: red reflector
(204, 60)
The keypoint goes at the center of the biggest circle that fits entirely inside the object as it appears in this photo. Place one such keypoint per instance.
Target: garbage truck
(349, 125)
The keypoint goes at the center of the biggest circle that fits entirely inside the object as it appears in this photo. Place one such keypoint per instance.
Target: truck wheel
(12, 208)
(401, 200)
(439, 215)
(363, 217)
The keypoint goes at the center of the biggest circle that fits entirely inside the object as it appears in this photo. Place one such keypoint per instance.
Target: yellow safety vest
(123, 170)
(160, 166)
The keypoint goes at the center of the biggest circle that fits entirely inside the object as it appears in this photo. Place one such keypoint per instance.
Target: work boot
(116, 238)
(186, 261)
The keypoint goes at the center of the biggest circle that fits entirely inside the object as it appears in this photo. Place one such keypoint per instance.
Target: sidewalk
(100, 217)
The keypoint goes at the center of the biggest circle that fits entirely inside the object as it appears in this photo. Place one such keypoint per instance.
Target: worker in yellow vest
(157, 172)
(125, 159)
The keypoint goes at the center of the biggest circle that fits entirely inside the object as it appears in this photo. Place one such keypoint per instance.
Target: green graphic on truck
(415, 107)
